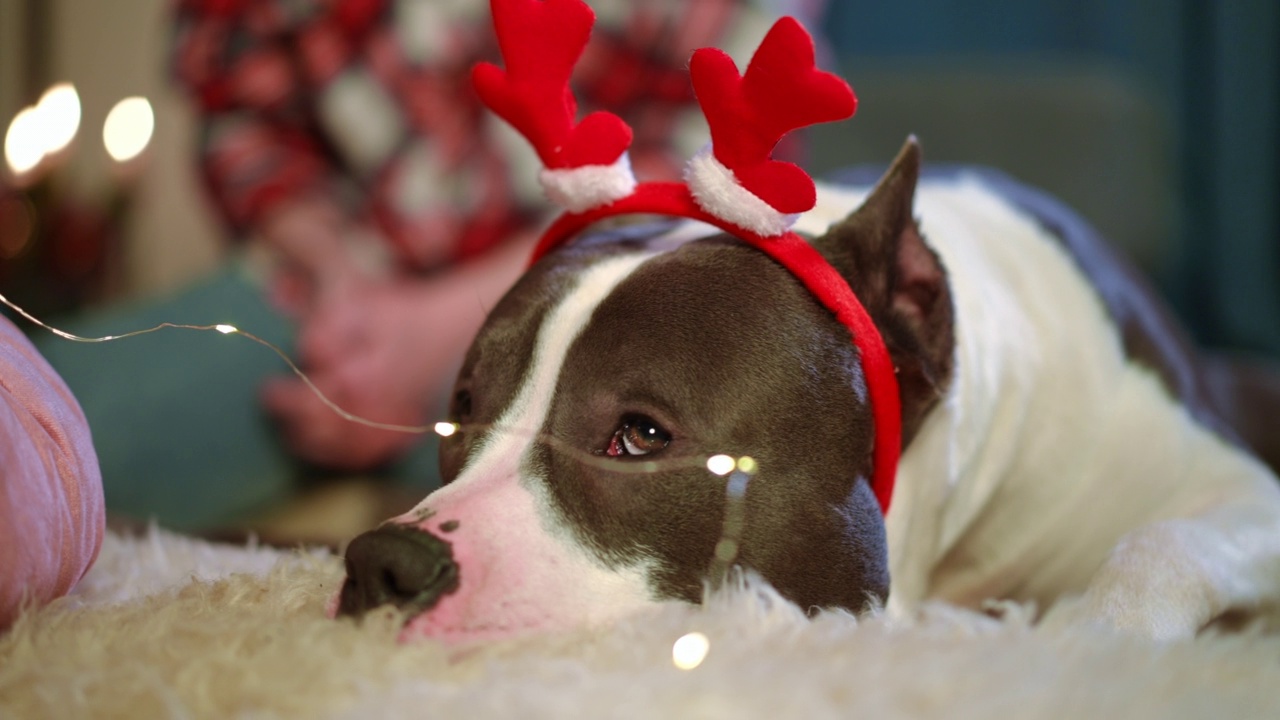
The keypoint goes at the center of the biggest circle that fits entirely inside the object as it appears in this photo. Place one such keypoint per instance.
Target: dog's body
(1075, 449)
(1056, 441)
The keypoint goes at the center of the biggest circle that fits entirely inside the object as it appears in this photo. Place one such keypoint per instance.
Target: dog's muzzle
(397, 565)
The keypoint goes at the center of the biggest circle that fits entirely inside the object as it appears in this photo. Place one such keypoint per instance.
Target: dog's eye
(638, 435)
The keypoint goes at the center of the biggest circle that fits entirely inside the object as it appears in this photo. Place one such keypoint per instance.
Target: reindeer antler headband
(732, 184)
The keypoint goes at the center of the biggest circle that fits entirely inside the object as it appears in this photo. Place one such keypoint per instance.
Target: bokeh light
(24, 143)
(128, 128)
(690, 650)
(42, 129)
(721, 464)
(59, 113)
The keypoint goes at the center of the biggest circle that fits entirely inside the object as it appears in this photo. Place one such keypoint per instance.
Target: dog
(1059, 444)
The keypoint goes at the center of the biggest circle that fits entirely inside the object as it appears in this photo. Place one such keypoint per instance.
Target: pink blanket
(51, 506)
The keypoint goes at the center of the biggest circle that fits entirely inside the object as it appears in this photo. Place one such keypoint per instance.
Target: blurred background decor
(78, 225)
(1158, 119)
(59, 251)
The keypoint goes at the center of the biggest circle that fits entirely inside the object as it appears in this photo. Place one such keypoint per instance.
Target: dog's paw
(1153, 586)
(1122, 614)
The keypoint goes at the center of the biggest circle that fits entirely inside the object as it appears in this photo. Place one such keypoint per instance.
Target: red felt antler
(781, 91)
(541, 41)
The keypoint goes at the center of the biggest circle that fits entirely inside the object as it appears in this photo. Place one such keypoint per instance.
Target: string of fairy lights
(719, 464)
(690, 649)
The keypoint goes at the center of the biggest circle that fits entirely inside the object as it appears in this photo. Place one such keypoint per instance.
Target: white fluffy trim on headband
(716, 190)
(589, 186)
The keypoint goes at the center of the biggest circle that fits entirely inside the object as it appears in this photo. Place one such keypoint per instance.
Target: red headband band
(733, 184)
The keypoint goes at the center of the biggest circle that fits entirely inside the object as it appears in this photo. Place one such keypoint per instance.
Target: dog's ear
(901, 282)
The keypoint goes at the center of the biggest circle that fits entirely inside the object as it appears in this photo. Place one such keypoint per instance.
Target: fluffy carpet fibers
(165, 626)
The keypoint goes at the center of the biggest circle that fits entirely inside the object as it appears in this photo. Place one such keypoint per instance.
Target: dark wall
(1208, 164)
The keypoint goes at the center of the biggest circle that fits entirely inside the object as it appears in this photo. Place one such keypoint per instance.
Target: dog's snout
(398, 565)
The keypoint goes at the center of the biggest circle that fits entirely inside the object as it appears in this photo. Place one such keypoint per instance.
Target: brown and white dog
(1057, 437)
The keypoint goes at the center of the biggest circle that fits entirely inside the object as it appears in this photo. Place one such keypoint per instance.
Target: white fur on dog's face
(520, 568)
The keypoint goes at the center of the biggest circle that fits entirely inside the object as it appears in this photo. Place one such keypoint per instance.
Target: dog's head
(577, 487)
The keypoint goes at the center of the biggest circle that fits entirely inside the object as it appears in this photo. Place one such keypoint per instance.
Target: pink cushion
(51, 507)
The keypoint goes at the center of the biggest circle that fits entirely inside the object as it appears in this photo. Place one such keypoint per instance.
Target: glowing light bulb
(747, 464)
(24, 142)
(445, 429)
(721, 464)
(690, 650)
(59, 112)
(442, 428)
(128, 128)
(42, 129)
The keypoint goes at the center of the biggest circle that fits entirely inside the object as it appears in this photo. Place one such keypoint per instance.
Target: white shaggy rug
(165, 626)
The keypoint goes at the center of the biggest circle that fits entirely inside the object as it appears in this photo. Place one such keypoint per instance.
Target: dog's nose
(399, 565)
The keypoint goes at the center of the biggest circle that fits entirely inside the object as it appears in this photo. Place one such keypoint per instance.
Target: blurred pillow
(51, 504)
